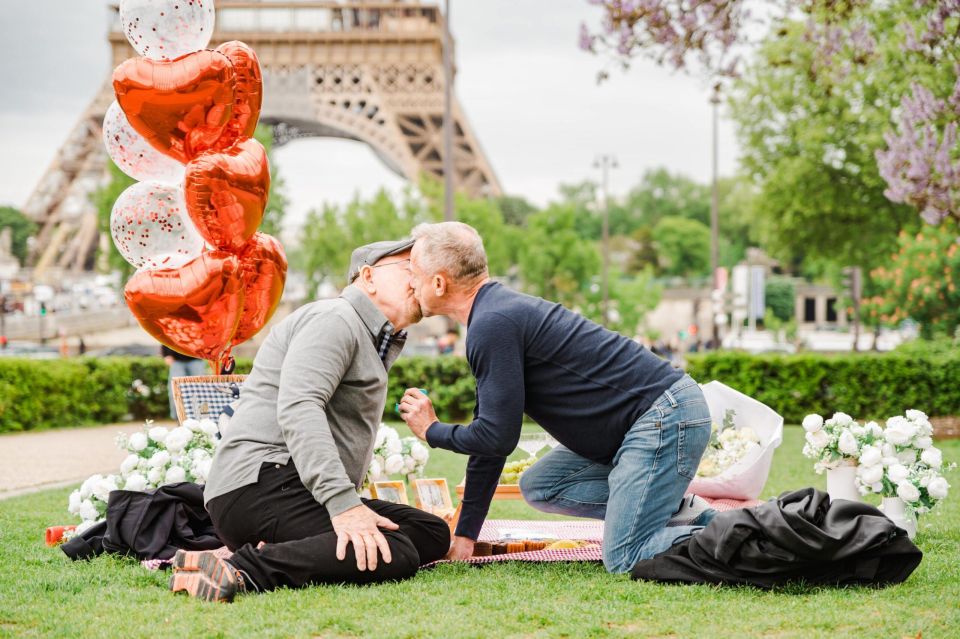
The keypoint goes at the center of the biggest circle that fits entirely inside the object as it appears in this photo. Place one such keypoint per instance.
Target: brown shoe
(213, 579)
(187, 560)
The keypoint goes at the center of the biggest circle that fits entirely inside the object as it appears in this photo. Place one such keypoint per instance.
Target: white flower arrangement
(837, 440)
(157, 456)
(898, 460)
(395, 456)
(727, 446)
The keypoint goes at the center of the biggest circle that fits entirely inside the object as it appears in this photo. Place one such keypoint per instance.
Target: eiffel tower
(362, 70)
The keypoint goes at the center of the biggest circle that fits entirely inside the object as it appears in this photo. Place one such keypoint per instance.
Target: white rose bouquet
(904, 463)
(837, 440)
(728, 445)
(157, 456)
(395, 456)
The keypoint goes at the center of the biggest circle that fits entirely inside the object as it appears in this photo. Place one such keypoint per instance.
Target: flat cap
(373, 253)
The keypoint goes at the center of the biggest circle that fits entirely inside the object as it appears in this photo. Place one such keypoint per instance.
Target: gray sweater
(316, 394)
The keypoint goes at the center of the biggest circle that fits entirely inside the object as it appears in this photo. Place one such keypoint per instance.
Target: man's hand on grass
(361, 527)
(416, 409)
(461, 549)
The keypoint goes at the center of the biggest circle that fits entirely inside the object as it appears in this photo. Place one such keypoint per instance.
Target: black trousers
(301, 545)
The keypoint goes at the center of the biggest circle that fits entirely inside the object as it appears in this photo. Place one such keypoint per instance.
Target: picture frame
(393, 491)
(433, 496)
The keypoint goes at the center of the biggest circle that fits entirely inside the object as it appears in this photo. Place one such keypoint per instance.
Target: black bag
(151, 525)
(799, 536)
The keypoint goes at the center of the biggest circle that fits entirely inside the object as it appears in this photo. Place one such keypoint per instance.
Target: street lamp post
(605, 163)
(715, 214)
(447, 117)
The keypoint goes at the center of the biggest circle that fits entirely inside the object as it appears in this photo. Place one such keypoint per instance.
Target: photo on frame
(392, 491)
(433, 496)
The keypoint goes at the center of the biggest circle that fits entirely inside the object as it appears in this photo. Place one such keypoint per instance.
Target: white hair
(453, 248)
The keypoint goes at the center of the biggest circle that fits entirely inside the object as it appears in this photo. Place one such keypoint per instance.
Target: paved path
(50, 459)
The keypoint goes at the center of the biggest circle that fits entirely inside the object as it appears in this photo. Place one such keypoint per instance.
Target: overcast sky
(529, 93)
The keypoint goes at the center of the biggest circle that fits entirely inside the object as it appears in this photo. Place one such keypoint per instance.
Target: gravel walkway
(51, 459)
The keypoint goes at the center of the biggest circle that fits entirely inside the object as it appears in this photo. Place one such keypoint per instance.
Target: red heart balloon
(226, 193)
(264, 267)
(249, 94)
(193, 309)
(181, 107)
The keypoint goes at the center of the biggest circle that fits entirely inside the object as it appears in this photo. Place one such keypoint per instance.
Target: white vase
(841, 482)
(896, 511)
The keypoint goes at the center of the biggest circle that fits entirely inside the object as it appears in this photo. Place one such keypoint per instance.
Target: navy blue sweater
(583, 384)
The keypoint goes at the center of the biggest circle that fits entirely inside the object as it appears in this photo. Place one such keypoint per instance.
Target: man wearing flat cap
(289, 470)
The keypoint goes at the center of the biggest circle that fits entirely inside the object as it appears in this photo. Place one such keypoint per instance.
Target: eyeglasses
(390, 263)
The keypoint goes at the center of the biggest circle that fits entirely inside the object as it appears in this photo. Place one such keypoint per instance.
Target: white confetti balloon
(167, 29)
(151, 228)
(133, 154)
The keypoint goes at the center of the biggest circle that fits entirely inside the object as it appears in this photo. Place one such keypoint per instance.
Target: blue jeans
(637, 493)
(184, 368)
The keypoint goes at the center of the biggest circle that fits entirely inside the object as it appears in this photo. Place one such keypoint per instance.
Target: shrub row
(865, 386)
(41, 394)
(54, 393)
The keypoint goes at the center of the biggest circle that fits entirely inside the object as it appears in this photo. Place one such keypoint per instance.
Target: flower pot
(841, 482)
(897, 511)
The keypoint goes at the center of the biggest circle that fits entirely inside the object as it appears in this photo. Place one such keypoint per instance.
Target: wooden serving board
(504, 491)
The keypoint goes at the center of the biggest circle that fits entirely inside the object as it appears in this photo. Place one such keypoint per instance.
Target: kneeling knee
(532, 489)
(438, 533)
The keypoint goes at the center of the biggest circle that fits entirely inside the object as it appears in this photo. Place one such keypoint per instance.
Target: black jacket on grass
(801, 536)
(150, 525)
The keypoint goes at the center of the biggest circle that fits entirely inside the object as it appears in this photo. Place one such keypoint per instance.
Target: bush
(866, 386)
(780, 295)
(36, 395)
(451, 385)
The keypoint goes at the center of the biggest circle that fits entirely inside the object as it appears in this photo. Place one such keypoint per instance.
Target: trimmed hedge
(41, 394)
(53, 393)
(865, 386)
(448, 380)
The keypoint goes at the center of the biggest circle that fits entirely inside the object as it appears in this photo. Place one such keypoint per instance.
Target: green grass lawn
(42, 593)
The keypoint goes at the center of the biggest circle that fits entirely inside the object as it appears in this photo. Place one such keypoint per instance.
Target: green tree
(556, 263)
(645, 254)
(808, 135)
(663, 194)
(631, 298)
(278, 202)
(515, 209)
(104, 199)
(780, 295)
(921, 281)
(330, 235)
(21, 228)
(683, 246)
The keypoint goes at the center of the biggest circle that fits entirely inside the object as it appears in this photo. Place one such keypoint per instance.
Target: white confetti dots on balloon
(167, 29)
(151, 228)
(133, 154)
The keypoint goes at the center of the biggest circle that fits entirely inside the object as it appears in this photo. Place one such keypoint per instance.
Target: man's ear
(365, 279)
(439, 285)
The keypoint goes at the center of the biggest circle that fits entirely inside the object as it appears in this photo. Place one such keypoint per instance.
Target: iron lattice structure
(365, 71)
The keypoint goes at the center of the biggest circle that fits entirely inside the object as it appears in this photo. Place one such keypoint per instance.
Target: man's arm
(317, 358)
(483, 475)
(497, 358)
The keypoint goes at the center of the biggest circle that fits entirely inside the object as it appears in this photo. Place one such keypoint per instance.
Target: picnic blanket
(494, 529)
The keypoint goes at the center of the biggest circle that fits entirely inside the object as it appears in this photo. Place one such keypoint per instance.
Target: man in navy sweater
(631, 428)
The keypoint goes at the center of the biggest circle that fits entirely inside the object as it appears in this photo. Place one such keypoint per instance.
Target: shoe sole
(211, 581)
(187, 560)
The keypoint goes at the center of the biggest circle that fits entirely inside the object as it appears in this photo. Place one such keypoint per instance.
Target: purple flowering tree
(920, 162)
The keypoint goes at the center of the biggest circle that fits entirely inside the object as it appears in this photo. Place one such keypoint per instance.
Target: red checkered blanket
(583, 529)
